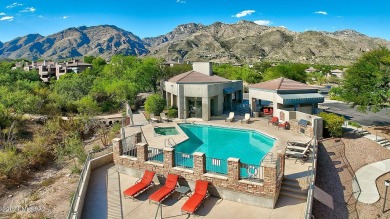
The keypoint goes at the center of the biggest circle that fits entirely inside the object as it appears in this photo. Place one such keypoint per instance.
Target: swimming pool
(166, 130)
(222, 143)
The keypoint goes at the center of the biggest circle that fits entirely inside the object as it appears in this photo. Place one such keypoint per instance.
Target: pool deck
(258, 124)
(158, 141)
(286, 207)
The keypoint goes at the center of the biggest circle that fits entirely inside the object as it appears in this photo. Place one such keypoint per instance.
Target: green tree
(291, 71)
(333, 124)
(155, 104)
(367, 82)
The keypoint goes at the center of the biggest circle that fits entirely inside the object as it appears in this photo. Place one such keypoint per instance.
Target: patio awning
(292, 99)
(228, 90)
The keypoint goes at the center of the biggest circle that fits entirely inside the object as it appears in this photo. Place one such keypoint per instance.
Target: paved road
(381, 118)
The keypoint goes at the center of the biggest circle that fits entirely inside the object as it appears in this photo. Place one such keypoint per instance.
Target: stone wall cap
(142, 144)
(233, 159)
(198, 154)
(168, 149)
(116, 139)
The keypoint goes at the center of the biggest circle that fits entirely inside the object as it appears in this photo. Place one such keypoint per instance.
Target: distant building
(200, 94)
(338, 73)
(311, 70)
(171, 63)
(49, 69)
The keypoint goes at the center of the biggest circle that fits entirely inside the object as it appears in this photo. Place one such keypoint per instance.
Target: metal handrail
(266, 155)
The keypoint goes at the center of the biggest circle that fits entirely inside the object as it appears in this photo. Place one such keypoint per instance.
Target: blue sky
(151, 17)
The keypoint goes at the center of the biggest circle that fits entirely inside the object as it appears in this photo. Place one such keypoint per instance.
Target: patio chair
(163, 117)
(268, 112)
(197, 198)
(230, 118)
(164, 192)
(283, 125)
(274, 121)
(302, 156)
(299, 148)
(246, 118)
(299, 143)
(140, 185)
(152, 118)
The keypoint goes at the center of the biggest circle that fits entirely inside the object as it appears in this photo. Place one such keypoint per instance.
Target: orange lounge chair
(274, 121)
(165, 191)
(283, 125)
(140, 185)
(197, 198)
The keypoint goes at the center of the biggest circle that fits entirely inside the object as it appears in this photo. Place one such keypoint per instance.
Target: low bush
(172, 113)
(332, 124)
(155, 104)
(354, 124)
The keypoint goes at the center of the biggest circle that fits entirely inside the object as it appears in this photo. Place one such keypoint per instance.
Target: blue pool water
(222, 143)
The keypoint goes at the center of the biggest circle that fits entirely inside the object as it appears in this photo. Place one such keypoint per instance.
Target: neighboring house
(338, 73)
(73, 66)
(171, 63)
(200, 94)
(48, 69)
(311, 70)
(285, 94)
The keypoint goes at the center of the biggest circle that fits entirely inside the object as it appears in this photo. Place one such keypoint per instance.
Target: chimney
(44, 62)
(203, 67)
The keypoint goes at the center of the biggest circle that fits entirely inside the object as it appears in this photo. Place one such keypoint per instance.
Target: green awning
(228, 90)
(309, 98)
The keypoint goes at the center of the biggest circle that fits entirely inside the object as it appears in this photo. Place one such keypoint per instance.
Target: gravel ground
(338, 159)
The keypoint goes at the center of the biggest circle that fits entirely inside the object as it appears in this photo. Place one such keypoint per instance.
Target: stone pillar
(169, 158)
(233, 170)
(142, 152)
(206, 108)
(137, 138)
(199, 164)
(281, 156)
(117, 148)
(269, 179)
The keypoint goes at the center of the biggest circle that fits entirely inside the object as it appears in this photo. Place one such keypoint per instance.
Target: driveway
(381, 118)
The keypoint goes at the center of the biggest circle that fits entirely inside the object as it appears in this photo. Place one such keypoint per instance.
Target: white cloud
(65, 17)
(31, 9)
(180, 1)
(7, 18)
(244, 13)
(2, 13)
(283, 27)
(263, 22)
(13, 5)
(321, 12)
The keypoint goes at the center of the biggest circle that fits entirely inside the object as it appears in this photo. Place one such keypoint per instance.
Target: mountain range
(243, 42)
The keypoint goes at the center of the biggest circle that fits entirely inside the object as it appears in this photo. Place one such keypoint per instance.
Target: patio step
(291, 188)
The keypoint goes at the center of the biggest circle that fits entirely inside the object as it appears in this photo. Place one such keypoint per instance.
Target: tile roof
(196, 77)
(282, 84)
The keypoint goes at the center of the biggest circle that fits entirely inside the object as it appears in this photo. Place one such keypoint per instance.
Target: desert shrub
(71, 147)
(37, 152)
(172, 113)
(354, 124)
(332, 124)
(12, 165)
(155, 104)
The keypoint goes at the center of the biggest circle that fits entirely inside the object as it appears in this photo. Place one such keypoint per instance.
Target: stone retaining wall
(268, 190)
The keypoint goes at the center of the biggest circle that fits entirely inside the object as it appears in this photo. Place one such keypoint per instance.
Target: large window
(195, 107)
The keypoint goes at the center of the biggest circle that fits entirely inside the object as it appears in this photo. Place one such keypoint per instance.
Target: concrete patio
(117, 205)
